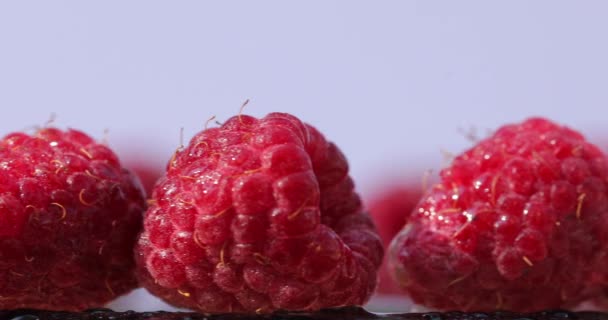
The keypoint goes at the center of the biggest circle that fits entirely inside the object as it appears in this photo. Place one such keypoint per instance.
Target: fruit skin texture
(518, 222)
(390, 211)
(69, 219)
(258, 215)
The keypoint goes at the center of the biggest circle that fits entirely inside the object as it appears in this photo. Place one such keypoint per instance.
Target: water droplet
(98, 310)
(562, 314)
(432, 316)
(26, 317)
(479, 315)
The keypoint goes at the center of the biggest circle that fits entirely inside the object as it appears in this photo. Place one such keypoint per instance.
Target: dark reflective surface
(350, 313)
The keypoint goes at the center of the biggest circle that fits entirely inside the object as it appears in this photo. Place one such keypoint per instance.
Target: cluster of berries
(252, 216)
(258, 215)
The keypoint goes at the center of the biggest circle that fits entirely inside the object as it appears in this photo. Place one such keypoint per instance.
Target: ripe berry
(69, 219)
(517, 222)
(390, 211)
(147, 174)
(258, 215)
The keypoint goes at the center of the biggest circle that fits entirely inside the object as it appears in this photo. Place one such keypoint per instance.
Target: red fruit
(390, 211)
(148, 175)
(258, 215)
(69, 219)
(517, 222)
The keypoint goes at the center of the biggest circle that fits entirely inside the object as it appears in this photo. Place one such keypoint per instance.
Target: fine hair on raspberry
(517, 222)
(69, 219)
(258, 215)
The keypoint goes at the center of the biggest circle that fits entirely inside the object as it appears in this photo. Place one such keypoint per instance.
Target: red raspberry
(258, 215)
(390, 211)
(144, 162)
(147, 174)
(519, 222)
(69, 219)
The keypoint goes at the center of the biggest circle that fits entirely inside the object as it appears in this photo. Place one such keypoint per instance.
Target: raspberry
(258, 215)
(69, 219)
(143, 161)
(147, 174)
(518, 222)
(390, 210)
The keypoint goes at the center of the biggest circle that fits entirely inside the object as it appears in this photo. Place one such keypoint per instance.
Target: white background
(390, 82)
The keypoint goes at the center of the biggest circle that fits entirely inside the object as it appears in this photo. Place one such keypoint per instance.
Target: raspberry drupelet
(518, 222)
(69, 219)
(258, 215)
